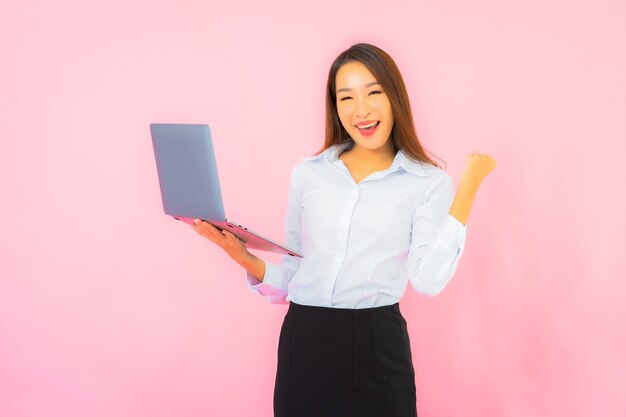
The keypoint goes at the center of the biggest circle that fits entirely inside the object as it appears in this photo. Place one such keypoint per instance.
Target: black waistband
(333, 310)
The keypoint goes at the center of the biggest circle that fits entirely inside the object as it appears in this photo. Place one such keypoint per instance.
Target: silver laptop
(190, 187)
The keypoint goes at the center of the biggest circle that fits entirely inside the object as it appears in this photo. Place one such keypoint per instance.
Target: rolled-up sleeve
(437, 240)
(277, 277)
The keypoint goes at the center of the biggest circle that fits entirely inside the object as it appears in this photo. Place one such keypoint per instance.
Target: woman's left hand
(477, 167)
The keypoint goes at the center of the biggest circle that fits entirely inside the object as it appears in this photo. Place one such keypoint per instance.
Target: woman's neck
(381, 157)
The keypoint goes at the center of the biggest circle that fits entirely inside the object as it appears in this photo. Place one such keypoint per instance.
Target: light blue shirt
(362, 243)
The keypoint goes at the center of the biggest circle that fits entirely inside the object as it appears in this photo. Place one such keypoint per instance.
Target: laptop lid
(187, 170)
(190, 187)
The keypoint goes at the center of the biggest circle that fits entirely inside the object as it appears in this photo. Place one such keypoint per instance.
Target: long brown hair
(386, 72)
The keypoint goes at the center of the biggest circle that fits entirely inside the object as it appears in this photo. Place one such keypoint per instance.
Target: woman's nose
(363, 109)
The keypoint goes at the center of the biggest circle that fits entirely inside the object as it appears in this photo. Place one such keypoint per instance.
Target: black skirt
(335, 362)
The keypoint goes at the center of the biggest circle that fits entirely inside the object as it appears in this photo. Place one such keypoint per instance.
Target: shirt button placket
(343, 233)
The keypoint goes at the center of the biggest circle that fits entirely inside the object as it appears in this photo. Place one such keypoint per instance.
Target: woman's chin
(370, 144)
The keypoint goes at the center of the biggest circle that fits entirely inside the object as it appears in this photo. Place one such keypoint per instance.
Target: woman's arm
(265, 278)
(477, 167)
(437, 241)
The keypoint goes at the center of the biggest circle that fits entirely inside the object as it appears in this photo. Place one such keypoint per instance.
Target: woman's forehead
(354, 75)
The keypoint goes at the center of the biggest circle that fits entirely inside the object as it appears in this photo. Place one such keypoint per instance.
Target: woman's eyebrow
(349, 89)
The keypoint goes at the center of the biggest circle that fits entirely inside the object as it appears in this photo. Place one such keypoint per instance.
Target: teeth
(367, 126)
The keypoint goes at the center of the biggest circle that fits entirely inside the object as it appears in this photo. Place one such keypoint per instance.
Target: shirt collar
(400, 161)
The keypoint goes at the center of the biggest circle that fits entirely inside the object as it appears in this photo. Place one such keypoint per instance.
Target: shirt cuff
(452, 235)
(272, 281)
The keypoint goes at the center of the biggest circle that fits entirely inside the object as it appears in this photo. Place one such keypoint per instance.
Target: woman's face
(361, 103)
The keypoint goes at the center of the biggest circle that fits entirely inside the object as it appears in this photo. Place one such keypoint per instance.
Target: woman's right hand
(230, 243)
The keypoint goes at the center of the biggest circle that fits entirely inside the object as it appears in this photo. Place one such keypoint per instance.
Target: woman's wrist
(253, 264)
(463, 200)
(468, 186)
(244, 258)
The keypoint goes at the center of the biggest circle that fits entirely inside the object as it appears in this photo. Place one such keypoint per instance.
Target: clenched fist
(477, 167)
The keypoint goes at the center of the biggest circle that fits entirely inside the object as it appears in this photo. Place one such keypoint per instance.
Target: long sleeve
(277, 277)
(437, 240)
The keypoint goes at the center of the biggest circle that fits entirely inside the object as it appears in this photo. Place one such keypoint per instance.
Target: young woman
(370, 212)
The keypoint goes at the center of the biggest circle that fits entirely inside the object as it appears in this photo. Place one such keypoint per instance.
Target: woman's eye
(350, 98)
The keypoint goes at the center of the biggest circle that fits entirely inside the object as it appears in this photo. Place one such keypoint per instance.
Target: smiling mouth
(368, 127)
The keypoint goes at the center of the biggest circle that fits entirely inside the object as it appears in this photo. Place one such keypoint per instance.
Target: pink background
(110, 308)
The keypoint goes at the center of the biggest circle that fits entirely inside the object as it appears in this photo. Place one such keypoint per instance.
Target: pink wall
(110, 308)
